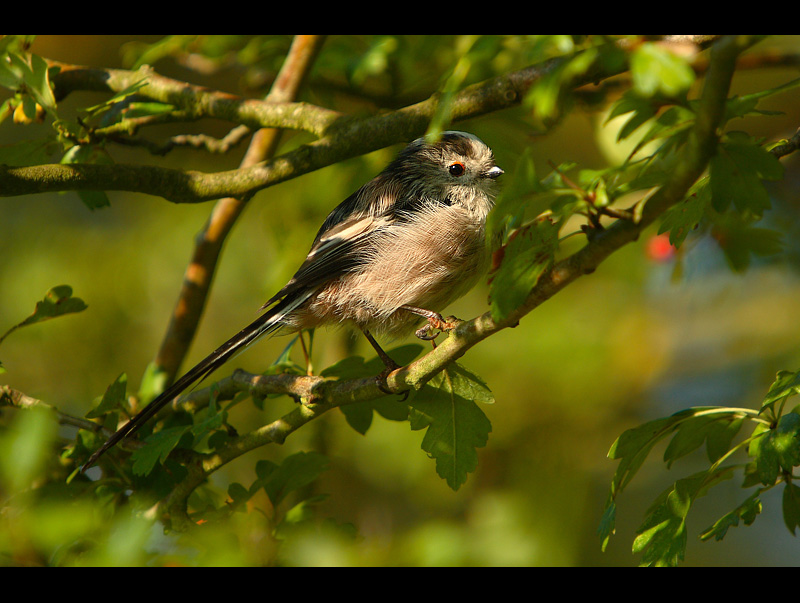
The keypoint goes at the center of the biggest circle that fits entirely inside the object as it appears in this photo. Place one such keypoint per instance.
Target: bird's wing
(341, 249)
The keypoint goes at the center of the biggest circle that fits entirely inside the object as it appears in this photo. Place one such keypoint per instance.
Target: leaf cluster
(772, 450)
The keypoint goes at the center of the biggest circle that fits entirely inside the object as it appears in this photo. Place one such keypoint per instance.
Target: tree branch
(208, 244)
(320, 395)
(344, 138)
(194, 101)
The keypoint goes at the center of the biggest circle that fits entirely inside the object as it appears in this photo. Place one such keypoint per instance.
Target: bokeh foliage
(700, 324)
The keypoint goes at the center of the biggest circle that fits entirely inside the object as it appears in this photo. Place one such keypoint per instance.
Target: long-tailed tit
(403, 246)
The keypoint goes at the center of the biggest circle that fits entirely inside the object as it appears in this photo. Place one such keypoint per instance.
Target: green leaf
(607, 523)
(740, 241)
(548, 93)
(786, 384)
(516, 194)
(296, 471)
(689, 436)
(154, 381)
(745, 512)
(656, 70)
(740, 106)
(720, 437)
(11, 75)
(89, 154)
(118, 97)
(238, 493)
(214, 419)
(662, 536)
(791, 507)
(527, 255)
(455, 424)
(156, 449)
(58, 301)
(39, 83)
(737, 171)
(642, 109)
(785, 439)
(359, 415)
(671, 124)
(26, 152)
(633, 446)
(764, 455)
(112, 399)
(685, 216)
(776, 449)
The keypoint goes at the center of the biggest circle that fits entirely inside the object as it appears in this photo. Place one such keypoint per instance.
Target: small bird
(409, 241)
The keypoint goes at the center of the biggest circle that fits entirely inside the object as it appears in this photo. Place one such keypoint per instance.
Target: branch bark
(344, 138)
(208, 244)
(320, 395)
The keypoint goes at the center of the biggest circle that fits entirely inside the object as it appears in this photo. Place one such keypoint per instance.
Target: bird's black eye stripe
(456, 169)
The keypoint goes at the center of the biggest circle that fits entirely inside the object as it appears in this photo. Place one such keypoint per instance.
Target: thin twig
(208, 246)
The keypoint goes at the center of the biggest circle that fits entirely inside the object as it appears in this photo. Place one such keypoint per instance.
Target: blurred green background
(642, 337)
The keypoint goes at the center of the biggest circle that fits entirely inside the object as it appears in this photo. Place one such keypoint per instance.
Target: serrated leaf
(89, 154)
(720, 437)
(238, 493)
(786, 384)
(546, 95)
(737, 171)
(785, 439)
(156, 449)
(764, 455)
(656, 70)
(215, 416)
(456, 426)
(746, 512)
(607, 524)
(689, 436)
(527, 255)
(58, 301)
(740, 106)
(682, 218)
(359, 415)
(25, 152)
(791, 506)
(671, 124)
(118, 97)
(516, 194)
(112, 399)
(642, 108)
(296, 471)
(776, 449)
(662, 536)
(39, 83)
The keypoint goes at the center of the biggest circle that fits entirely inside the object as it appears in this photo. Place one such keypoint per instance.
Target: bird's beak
(494, 173)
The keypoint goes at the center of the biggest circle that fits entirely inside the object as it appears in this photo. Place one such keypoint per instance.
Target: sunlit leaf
(58, 301)
(456, 426)
(746, 512)
(112, 399)
(527, 255)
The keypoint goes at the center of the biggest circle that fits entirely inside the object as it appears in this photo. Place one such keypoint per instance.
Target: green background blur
(639, 339)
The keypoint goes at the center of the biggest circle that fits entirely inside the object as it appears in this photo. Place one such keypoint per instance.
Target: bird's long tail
(265, 324)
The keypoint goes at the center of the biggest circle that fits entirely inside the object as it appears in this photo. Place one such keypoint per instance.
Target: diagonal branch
(194, 101)
(208, 244)
(345, 137)
(320, 396)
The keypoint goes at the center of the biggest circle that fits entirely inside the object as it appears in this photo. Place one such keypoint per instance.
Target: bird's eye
(456, 169)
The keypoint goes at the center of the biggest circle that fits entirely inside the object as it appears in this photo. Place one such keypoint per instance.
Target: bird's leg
(387, 360)
(391, 365)
(435, 322)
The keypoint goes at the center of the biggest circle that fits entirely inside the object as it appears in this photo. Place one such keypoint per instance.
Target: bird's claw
(436, 323)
